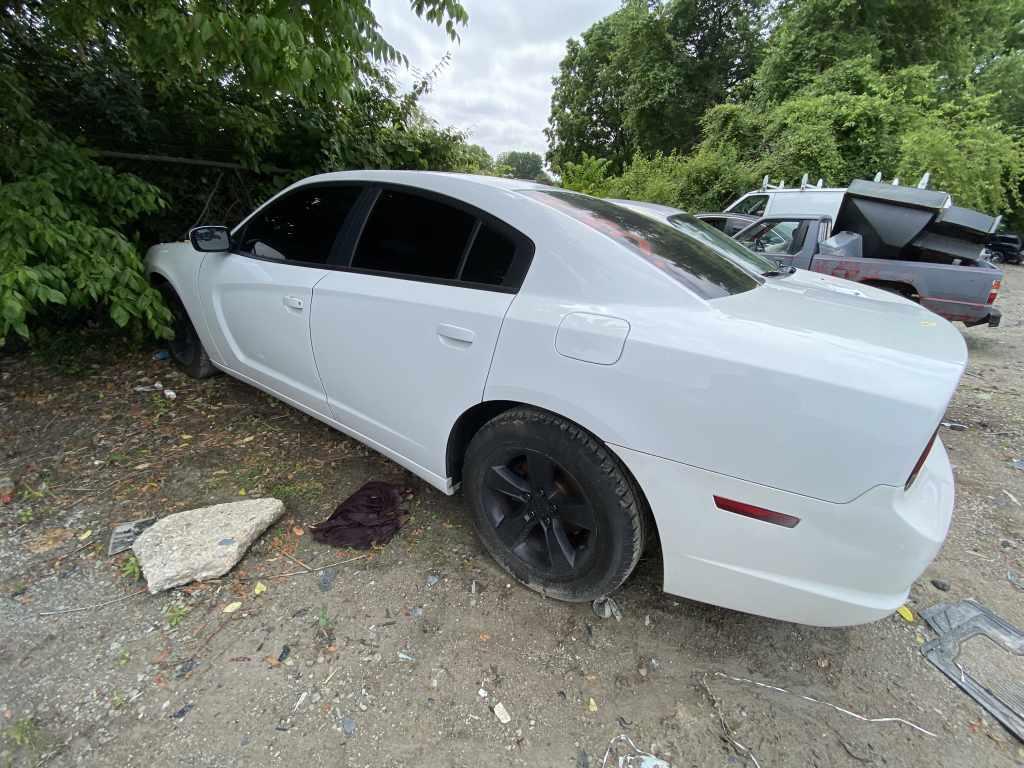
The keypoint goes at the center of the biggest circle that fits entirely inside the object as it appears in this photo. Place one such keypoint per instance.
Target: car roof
(426, 178)
(665, 210)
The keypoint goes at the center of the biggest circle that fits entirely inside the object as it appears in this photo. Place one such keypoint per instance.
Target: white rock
(502, 714)
(202, 543)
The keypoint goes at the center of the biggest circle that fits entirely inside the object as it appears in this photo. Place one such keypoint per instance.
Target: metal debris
(954, 426)
(606, 607)
(123, 535)
(1018, 464)
(970, 665)
(639, 758)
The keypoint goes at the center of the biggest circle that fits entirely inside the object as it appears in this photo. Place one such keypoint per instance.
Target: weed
(25, 516)
(175, 613)
(161, 404)
(118, 701)
(24, 732)
(131, 569)
(124, 658)
(325, 621)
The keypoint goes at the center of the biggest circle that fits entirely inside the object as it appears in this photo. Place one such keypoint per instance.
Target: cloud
(498, 84)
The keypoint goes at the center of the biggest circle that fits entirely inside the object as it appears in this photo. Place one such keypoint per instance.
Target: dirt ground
(399, 660)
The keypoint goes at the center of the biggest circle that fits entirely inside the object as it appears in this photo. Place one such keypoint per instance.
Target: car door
(780, 239)
(256, 298)
(403, 337)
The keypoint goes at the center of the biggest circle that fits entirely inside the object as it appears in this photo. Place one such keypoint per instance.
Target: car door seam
(312, 348)
(494, 349)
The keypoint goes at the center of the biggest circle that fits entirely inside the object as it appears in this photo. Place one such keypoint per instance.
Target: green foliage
(472, 158)
(175, 613)
(261, 83)
(131, 568)
(523, 165)
(310, 51)
(846, 89)
(63, 219)
(639, 79)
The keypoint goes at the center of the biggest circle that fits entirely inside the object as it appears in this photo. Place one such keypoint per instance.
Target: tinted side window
(411, 235)
(490, 257)
(716, 223)
(301, 226)
(754, 205)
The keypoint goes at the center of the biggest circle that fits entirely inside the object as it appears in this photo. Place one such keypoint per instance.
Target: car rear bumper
(842, 564)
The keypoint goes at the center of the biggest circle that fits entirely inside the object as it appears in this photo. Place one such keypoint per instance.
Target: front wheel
(553, 506)
(187, 349)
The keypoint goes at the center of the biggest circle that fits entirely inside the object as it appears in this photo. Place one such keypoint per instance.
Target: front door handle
(463, 336)
(293, 302)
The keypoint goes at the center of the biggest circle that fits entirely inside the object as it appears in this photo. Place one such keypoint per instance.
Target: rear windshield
(714, 238)
(691, 261)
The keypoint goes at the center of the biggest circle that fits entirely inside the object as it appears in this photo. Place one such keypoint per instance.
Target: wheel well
(467, 425)
(905, 290)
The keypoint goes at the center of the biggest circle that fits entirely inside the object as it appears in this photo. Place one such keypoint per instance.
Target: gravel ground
(400, 659)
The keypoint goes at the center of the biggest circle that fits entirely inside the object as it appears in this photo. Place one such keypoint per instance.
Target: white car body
(798, 395)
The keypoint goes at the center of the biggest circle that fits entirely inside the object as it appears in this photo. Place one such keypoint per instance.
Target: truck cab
(910, 241)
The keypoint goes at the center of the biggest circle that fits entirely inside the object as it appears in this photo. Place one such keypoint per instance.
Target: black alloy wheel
(539, 512)
(552, 505)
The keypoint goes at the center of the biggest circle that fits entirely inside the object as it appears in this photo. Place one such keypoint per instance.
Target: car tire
(553, 505)
(187, 350)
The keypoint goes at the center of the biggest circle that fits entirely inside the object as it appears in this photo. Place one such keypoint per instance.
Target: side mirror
(210, 239)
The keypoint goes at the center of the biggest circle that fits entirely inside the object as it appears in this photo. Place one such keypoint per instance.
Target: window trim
(238, 233)
(522, 258)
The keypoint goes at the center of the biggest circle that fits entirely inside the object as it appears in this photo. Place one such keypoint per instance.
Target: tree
(815, 35)
(248, 82)
(640, 79)
(847, 89)
(523, 165)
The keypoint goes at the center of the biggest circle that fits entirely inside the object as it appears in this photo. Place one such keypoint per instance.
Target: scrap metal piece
(969, 662)
(124, 534)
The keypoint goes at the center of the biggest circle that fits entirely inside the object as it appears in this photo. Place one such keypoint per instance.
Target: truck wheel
(553, 506)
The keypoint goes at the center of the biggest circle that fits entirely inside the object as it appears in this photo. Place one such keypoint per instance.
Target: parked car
(904, 239)
(728, 223)
(1005, 248)
(593, 379)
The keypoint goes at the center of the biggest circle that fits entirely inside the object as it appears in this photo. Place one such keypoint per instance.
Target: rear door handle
(456, 333)
(293, 302)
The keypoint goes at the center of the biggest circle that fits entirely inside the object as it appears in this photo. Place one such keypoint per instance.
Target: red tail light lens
(921, 461)
(758, 513)
(996, 285)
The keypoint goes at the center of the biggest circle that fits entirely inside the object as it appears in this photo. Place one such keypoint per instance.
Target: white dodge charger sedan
(594, 379)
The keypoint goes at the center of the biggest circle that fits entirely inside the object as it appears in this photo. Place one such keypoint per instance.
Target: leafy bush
(62, 228)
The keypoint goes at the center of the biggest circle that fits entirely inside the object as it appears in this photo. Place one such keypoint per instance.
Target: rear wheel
(187, 350)
(553, 506)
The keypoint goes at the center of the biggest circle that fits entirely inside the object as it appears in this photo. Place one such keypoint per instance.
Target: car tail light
(996, 285)
(758, 513)
(921, 461)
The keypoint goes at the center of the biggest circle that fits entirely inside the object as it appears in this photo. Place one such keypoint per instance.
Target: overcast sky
(498, 84)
